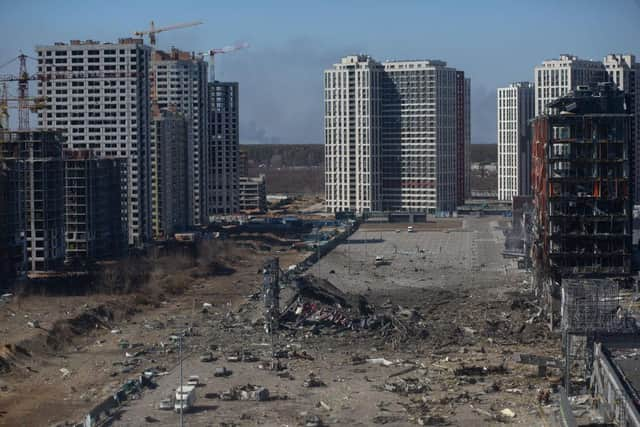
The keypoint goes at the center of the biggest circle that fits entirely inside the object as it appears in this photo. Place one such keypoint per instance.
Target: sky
(291, 42)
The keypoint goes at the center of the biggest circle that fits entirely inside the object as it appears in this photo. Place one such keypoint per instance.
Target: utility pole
(365, 245)
(181, 399)
(318, 253)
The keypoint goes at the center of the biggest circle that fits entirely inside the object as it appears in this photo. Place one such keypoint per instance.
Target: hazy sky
(292, 42)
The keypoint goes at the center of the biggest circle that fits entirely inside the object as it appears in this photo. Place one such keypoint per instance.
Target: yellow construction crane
(28, 103)
(152, 31)
(23, 106)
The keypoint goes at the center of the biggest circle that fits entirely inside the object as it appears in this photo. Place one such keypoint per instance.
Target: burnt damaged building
(581, 184)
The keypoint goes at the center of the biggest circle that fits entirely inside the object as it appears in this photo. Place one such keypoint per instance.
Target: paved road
(469, 256)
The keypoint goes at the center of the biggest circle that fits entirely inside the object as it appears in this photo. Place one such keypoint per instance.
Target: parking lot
(466, 254)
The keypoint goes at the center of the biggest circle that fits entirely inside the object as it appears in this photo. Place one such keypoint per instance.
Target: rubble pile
(318, 306)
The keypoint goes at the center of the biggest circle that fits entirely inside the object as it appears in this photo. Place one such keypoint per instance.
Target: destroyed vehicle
(222, 372)
(380, 260)
(166, 404)
(246, 392)
(207, 357)
(193, 380)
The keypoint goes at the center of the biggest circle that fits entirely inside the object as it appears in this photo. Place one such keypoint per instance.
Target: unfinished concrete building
(37, 155)
(224, 148)
(253, 194)
(97, 94)
(179, 80)
(243, 163)
(169, 168)
(95, 207)
(581, 187)
(12, 245)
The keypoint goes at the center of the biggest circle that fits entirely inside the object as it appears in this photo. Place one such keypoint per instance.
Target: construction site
(395, 327)
(148, 278)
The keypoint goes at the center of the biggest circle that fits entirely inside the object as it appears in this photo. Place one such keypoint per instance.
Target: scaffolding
(590, 311)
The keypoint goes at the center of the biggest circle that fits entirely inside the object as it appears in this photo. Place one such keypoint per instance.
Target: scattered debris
(324, 406)
(33, 324)
(312, 381)
(380, 361)
(480, 370)
(508, 413)
(407, 385)
(246, 392)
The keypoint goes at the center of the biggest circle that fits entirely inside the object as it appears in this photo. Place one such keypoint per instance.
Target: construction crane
(213, 52)
(23, 92)
(152, 31)
(29, 104)
(23, 100)
(4, 107)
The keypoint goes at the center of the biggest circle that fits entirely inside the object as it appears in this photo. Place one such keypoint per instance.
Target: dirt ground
(72, 358)
(428, 338)
(451, 361)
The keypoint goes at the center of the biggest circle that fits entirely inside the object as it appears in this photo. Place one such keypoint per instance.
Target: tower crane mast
(215, 51)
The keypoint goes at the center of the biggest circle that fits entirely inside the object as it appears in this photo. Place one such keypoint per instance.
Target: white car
(193, 380)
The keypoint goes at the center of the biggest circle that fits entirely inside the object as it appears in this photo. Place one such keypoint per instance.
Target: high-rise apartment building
(224, 148)
(36, 156)
(95, 207)
(515, 105)
(624, 72)
(98, 96)
(179, 81)
(391, 135)
(463, 137)
(557, 77)
(353, 156)
(169, 176)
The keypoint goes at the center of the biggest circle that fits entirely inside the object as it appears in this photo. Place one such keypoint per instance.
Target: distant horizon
(321, 143)
(495, 42)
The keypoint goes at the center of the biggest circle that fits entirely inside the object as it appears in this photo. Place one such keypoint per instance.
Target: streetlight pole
(348, 258)
(318, 253)
(181, 391)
